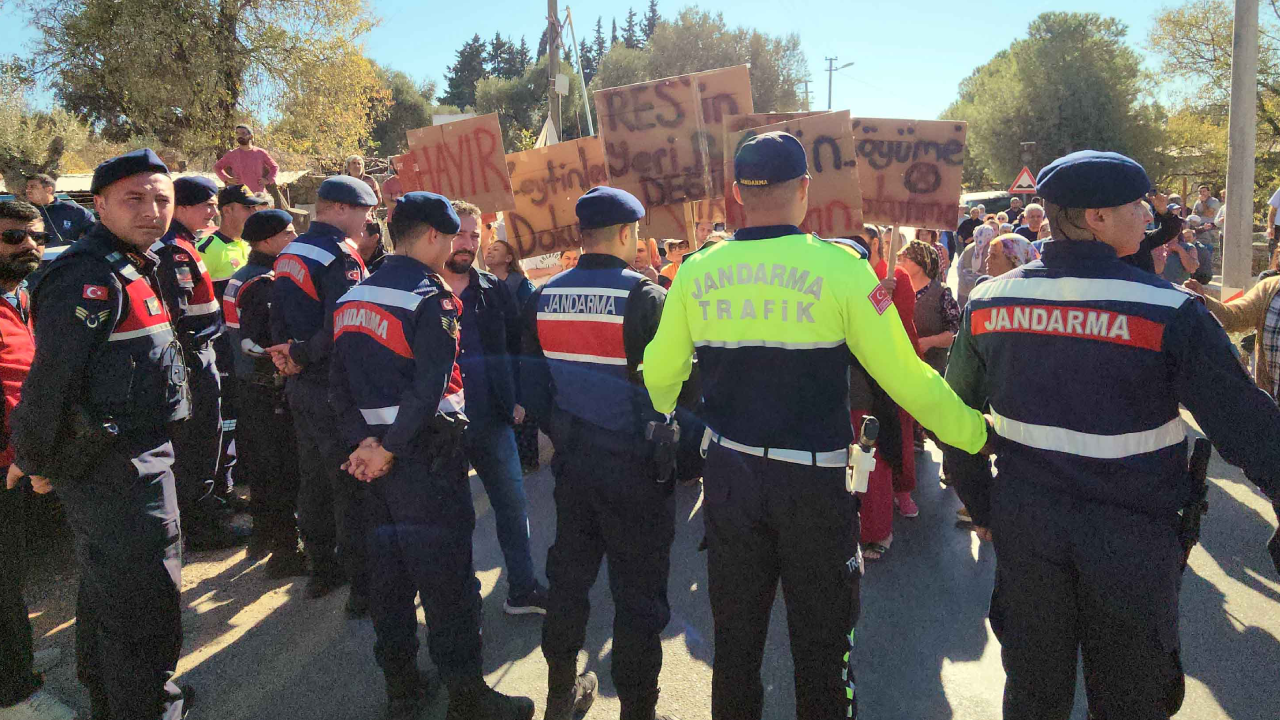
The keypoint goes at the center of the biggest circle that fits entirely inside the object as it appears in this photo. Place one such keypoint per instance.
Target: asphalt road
(258, 649)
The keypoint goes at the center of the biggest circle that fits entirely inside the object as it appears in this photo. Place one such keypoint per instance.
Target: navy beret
(240, 194)
(122, 166)
(1092, 179)
(768, 159)
(348, 191)
(603, 206)
(265, 224)
(425, 207)
(193, 190)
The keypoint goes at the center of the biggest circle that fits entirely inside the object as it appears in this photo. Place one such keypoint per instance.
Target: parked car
(995, 201)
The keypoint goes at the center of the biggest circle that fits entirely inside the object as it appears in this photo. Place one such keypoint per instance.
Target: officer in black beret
(398, 396)
(107, 382)
(584, 338)
(1094, 482)
(773, 315)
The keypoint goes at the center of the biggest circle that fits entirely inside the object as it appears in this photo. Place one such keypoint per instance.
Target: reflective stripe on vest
(1102, 447)
(231, 313)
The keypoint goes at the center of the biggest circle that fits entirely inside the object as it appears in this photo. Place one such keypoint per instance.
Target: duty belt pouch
(89, 439)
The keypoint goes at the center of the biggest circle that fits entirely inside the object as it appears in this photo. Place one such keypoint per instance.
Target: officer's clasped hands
(369, 461)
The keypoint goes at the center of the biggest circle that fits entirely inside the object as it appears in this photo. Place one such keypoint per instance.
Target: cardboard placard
(910, 171)
(666, 222)
(835, 199)
(462, 160)
(664, 138)
(546, 184)
(738, 123)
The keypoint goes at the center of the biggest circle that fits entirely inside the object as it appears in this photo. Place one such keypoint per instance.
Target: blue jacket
(66, 221)
(311, 273)
(495, 313)
(395, 348)
(1116, 350)
(104, 344)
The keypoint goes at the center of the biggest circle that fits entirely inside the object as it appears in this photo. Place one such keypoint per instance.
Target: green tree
(186, 71)
(1194, 39)
(651, 19)
(521, 104)
(502, 58)
(598, 48)
(522, 54)
(331, 110)
(589, 62)
(461, 77)
(613, 38)
(410, 108)
(1071, 84)
(631, 31)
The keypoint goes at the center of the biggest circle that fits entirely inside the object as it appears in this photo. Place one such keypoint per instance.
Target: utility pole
(553, 64)
(1242, 129)
(831, 72)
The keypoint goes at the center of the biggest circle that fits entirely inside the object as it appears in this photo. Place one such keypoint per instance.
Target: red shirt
(17, 350)
(251, 167)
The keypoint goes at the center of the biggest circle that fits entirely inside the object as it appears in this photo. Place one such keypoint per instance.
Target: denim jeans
(491, 449)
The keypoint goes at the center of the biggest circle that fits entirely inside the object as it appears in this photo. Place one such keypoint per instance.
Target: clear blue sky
(909, 55)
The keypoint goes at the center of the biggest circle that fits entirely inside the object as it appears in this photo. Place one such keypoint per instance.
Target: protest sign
(910, 171)
(663, 139)
(546, 183)
(835, 201)
(461, 160)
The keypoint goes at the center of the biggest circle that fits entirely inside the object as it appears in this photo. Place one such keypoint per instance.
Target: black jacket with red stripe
(105, 345)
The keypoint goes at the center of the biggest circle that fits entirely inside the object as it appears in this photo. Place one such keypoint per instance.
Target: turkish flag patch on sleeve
(880, 299)
(94, 292)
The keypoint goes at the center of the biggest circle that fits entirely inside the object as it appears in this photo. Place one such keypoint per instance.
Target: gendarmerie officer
(197, 321)
(107, 381)
(267, 444)
(398, 396)
(776, 317)
(311, 273)
(1093, 466)
(584, 335)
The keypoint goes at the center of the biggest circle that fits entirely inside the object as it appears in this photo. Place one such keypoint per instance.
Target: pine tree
(501, 59)
(522, 54)
(630, 31)
(542, 42)
(651, 19)
(613, 40)
(589, 62)
(461, 77)
(598, 47)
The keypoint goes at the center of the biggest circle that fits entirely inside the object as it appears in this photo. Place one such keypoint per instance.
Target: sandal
(876, 550)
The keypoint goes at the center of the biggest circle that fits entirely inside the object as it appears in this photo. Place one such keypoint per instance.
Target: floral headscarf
(923, 254)
(982, 235)
(1015, 247)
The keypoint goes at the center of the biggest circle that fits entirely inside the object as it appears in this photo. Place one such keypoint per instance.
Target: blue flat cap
(768, 159)
(1092, 179)
(193, 190)
(264, 225)
(419, 207)
(605, 206)
(122, 166)
(348, 191)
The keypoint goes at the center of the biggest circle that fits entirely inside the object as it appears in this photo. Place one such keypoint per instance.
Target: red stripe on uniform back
(1070, 321)
(372, 320)
(582, 337)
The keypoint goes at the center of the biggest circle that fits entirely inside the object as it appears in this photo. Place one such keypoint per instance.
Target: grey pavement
(258, 649)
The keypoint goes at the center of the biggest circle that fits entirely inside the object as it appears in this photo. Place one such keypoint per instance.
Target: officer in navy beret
(584, 338)
(311, 273)
(398, 396)
(107, 386)
(1094, 482)
(773, 314)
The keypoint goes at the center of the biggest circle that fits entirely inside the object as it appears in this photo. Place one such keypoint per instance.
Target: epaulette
(432, 284)
(851, 244)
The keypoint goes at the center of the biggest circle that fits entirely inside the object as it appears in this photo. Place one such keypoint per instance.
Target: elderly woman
(944, 258)
(1005, 253)
(968, 265)
(355, 168)
(937, 316)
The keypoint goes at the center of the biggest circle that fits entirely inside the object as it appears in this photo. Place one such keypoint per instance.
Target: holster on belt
(444, 439)
(1198, 504)
(88, 438)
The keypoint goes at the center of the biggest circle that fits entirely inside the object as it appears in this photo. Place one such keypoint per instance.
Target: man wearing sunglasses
(21, 237)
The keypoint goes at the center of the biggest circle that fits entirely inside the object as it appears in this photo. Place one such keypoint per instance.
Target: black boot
(475, 700)
(575, 702)
(408, 693)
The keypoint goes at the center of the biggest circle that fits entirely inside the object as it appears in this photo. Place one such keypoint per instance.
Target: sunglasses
(17, 237)
(680, 245)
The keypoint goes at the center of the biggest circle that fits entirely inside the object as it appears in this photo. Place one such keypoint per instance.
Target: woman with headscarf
(1003, 254)
(937, 315)
(944, 257)
(968, 265)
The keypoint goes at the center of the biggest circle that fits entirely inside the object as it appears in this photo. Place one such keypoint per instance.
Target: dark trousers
(1076, 577)
(329, 512)
(17, 682)
(769, 520)
(124, 513)
(608, 504)
(420, 523)
(224, 485)
(269, 460)
(196, 444)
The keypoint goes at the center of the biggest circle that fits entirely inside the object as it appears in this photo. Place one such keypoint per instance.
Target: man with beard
(489, 380)
(106, 384)
(188, 292)
(248, 165)
(22, 233)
